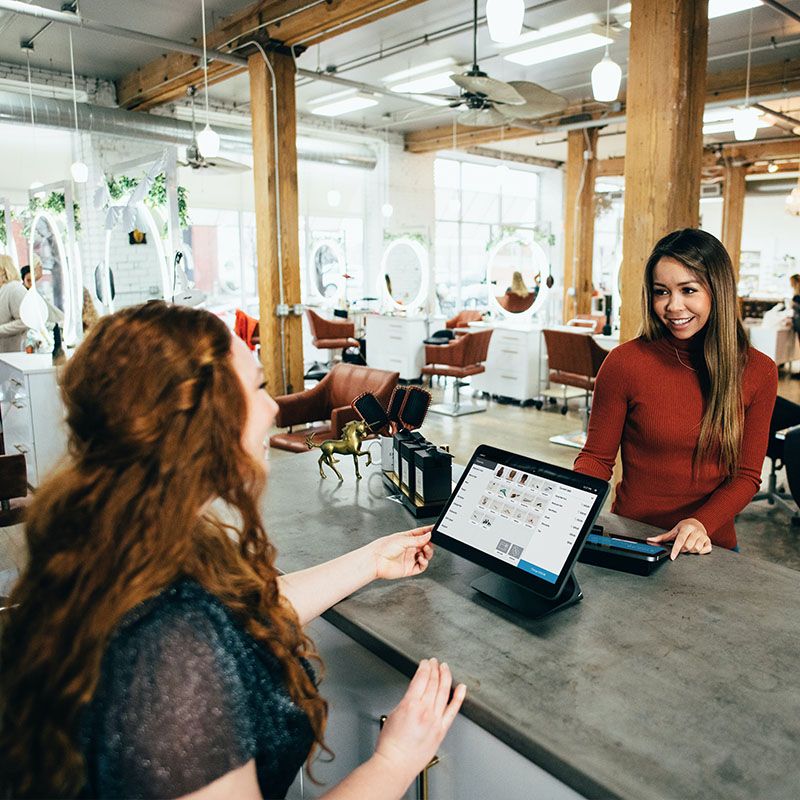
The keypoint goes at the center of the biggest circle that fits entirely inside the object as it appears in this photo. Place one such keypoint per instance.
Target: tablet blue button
(550, 577)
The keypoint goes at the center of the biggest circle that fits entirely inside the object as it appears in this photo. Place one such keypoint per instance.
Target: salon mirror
(404, 274)
(52, 274)
(515, 277)
(135, 268)
(327, 267)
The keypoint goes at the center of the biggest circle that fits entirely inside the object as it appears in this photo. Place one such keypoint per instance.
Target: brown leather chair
(583, 320)
(574, 359)
(459, 359)
(329, 334)
(13, 488)
(329, 400)
(463, 318)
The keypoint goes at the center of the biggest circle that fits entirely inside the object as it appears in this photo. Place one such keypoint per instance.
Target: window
(475, 204)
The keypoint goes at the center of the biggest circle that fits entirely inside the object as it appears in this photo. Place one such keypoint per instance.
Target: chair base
(576, 439)
(777, 498)
(457, 410)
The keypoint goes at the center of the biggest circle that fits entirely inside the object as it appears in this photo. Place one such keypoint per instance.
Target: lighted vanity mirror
(327, 268)
(516, 277)
(403, 277)
(54, 283)
(135, 268)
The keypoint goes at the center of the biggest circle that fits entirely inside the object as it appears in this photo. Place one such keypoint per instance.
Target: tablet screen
(525, 514)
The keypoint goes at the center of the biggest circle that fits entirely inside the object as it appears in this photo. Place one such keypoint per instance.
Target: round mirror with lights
(404, 275)
(52, 273)
(516, 277)
(135, 268)
(327, 268)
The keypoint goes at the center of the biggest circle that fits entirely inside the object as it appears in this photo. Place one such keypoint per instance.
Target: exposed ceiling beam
(765, 80)
(287, 22)
(516, 158)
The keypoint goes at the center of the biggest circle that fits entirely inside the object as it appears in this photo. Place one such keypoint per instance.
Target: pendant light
(504, 18)
(745, 118)
(79, 170)
(606, 74)
(208, 138)
(27, 47)
(387, 209)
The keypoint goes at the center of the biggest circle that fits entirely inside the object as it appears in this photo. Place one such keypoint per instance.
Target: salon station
(429, 222)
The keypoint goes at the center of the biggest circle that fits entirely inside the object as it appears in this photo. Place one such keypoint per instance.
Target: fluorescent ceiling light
(721, 8)
(339, 103)
(603, 188)
(42, 90)
(422, 69)
(430, 83)
(718, 114)
(433, 101)
(578, 42)
(727, 127)
(550, 31)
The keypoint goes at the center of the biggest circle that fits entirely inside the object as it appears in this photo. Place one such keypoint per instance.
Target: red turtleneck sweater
(648, 401)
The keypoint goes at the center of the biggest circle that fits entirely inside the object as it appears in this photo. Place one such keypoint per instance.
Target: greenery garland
(514, 232)
(3, 231)
(54, 202)
(156, 197)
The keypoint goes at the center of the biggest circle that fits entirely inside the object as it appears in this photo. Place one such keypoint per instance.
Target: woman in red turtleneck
(689, 402)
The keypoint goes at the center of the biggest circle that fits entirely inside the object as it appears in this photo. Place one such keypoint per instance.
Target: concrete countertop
(682, 684)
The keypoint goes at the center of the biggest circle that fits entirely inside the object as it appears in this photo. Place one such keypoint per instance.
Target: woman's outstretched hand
(415, 729)
(401, 555)
(689, 535)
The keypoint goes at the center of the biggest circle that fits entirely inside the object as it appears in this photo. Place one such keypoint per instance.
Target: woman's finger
(664, 537)
(706, 547)
(420, 680)
(454, 706)
(443, 694)
(680, 539)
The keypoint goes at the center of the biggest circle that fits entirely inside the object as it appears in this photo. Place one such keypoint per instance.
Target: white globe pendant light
(207, 139)
(606, 74)
(745, 118)
(745, 123)
(208, 142)
(606, 79)
(334, 198)
(387, 209)
(504, 18)
(80, 172)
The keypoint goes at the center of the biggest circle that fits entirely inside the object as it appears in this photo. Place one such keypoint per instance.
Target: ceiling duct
(53, 113)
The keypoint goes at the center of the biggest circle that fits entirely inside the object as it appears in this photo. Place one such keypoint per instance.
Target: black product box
(401, 438)
(407, 450)
(433, 481)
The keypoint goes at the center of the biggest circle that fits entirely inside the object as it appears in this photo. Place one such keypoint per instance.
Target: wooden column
(581, 170)
(664, 140)
(733, 213)
(276, 198)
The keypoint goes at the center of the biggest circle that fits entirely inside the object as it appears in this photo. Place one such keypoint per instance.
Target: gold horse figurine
(350, 443)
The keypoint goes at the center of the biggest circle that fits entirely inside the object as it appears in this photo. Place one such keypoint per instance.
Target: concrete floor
(763, 531)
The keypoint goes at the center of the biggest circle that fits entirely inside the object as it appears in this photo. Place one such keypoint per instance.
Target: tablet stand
(524, 600)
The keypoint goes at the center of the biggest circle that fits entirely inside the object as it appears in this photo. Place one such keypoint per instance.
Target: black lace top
(185, 696)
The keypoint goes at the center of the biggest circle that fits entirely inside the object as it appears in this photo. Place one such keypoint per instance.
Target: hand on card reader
(622, 553)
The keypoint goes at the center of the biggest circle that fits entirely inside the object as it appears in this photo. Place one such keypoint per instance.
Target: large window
(476, 204)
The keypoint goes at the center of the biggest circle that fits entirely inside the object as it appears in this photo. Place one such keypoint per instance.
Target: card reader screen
(528, 520)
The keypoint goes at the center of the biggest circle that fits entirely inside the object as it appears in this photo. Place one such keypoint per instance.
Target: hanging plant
(514, 231)
(3, 230)
(415, 237)
(155, 198)
(53, 202)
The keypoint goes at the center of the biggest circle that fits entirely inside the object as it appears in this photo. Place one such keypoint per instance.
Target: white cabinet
(32, 412)
(360, 687)
(397, 344)
(513, 366)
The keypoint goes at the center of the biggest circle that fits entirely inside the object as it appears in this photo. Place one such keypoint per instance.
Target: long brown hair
(725, 346)
(155, 413)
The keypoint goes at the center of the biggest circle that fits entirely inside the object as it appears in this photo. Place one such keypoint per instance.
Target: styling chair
(574, 360)
(328, 402)
(460, 320)
(329, 334)
(458, 359)
(13, 489)
(783, 450)
(594, 322)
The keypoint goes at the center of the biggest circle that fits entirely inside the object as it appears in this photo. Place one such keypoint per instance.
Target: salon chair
(460, 320)
(13, 488)
(783, 450)
(574, 360)
(458, 359)
(593, 321)
(328, 334)
(329, 401)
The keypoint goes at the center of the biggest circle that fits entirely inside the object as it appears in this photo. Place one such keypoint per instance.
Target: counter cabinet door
(472, 764)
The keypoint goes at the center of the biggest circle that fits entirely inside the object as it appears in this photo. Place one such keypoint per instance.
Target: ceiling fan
(488, 101)
(194, 157)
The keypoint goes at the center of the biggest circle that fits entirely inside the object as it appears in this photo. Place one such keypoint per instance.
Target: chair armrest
(782, 434)
(310, 405)
(340, 417)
